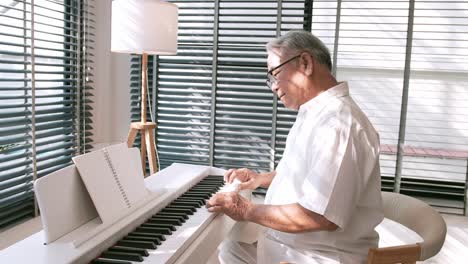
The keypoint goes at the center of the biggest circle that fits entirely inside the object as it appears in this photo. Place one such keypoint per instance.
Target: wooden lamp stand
(148, 146)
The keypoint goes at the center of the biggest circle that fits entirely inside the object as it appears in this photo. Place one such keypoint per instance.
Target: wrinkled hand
(248, 178)
(230, 203)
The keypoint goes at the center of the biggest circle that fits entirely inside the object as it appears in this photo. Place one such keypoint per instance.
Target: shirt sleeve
(333, 182)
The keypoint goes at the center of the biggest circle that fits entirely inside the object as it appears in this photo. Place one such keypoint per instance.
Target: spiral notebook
(114, 179)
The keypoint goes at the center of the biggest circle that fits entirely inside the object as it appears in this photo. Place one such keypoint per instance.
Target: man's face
(288, 84)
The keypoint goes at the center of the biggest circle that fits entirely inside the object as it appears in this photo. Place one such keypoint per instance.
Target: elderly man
(324, 198)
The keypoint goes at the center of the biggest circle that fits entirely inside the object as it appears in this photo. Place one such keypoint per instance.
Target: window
(414, 94)
(45, 90)
(405, 61)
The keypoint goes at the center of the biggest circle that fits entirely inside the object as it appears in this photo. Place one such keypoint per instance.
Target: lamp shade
(144, 26)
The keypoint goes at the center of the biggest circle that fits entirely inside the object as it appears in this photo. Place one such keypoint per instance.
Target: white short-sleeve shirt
(330, 166)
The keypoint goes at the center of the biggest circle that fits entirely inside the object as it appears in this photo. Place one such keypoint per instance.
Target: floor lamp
(146, 27)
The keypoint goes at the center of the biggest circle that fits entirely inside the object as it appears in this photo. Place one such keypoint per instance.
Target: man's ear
(307, 63)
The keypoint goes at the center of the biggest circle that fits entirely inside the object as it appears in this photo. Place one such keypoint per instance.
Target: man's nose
(274, 87)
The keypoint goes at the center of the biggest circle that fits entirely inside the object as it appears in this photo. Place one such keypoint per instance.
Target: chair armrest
(396, 254)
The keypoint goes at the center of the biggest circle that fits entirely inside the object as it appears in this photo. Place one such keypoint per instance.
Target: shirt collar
(316, 103)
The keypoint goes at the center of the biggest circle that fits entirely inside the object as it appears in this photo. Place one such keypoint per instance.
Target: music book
(113, 178)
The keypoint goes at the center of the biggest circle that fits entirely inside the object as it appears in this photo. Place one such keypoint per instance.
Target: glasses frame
(270, 78)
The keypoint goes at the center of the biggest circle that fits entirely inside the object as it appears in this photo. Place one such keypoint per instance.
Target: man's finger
(217, 199)
(228, 174)
(215, 209)
(209, 204)
(233, 176)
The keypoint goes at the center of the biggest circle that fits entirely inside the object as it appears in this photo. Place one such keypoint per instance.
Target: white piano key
(176, 248)
(175, 244)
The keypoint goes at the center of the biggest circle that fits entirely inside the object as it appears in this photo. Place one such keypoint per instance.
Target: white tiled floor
(455, 249)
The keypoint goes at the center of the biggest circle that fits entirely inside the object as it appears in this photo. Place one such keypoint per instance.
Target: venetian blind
(45, 90)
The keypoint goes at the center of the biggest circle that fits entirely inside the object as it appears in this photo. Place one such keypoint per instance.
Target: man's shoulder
(343, 114)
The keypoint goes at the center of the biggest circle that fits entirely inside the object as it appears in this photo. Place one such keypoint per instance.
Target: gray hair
(302, 41)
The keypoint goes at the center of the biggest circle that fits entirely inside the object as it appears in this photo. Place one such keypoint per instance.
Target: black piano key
(186, 207)
(201, 191)
(142, 252)
(189, 199)
(161, 225)
(210, 183)
(205, 189)
(179, 218)
(109, 261)
(184, 216)
(122, 256)
(206, 195)
(200, 202)
(217, 177)
(215, 186)
(155, 230)
(198, 192)
(218, 180)
(206, 185)
(155, 240)
(195, 195)
(177, 210)
(213, 178)
(165, 220)
(158, 236)
(137, 244)
(191, 208)
(186, 203)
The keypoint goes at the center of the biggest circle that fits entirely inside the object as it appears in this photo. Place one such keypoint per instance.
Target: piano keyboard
(164, 236)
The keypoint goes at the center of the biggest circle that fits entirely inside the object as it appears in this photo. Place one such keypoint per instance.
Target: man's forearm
(291, 218)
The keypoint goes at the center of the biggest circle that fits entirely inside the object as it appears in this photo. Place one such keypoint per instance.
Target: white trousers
(234, 252)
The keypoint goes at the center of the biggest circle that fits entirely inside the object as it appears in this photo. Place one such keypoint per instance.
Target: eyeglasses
(270, 78)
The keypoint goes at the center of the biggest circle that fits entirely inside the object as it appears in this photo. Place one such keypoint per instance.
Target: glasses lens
(272, 79)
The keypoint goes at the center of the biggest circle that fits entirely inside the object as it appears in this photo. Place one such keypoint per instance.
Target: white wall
(111, 107)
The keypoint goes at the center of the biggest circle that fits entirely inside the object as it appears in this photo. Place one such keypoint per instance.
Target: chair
(417, 216)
